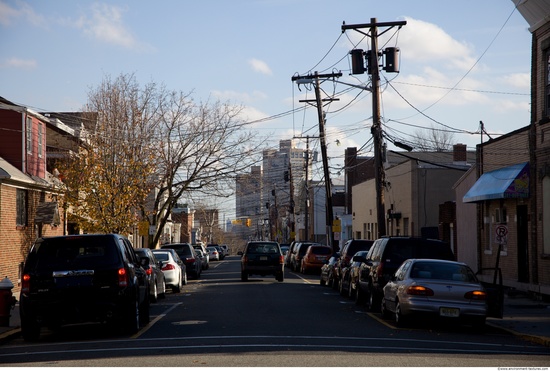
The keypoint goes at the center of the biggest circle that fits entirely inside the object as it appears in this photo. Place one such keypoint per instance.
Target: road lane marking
(157, 318)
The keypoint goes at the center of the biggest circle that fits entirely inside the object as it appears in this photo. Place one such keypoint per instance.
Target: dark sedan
(187, 254)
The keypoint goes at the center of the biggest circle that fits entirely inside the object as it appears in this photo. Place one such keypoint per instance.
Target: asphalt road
(219, 321)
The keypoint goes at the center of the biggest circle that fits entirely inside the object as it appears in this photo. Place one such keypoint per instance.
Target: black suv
(348, 250)
(83, 278)
(262, 258)
(187, 254)
(385, 256)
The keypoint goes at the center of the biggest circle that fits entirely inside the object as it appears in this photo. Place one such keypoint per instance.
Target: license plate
(449, 312)
(263, 257)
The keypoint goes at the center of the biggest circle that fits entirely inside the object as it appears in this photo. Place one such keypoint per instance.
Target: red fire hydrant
(7, 301)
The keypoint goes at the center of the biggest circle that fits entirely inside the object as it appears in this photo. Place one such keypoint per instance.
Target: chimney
(459, 153)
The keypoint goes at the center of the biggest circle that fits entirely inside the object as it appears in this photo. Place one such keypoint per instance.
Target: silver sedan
(435, 288)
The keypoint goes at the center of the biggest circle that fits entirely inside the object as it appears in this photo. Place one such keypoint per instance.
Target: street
(221, 321)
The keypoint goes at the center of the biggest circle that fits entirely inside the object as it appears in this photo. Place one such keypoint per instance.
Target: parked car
(348, 250)
(203, 258)
(327, 270)
(221, 253)
(157, 282)
(298, 254)
(434, 289)
(386, 255)
(173, 268)
(187, 254)
(291, 250)
(350, 275)
(284, 248)
(83, 278)
(225, 250)
(262, 258)
(202, 247)
(213, 253)
(314, 258)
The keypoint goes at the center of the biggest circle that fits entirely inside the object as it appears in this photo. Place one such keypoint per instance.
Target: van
(386, 255)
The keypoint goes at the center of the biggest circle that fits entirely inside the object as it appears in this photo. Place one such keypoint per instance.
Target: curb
(541, 340)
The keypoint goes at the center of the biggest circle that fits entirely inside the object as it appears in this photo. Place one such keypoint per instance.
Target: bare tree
(201, 149)
(435, 140)
(150, 147)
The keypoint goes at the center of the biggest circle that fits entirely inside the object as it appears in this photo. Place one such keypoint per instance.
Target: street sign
(501, 234)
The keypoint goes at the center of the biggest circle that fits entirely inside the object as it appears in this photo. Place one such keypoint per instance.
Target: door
(522, 244)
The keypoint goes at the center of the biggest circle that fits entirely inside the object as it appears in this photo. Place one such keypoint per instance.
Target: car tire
(280, 277)
(359, 296)
(177, 288)
(185, 280)
(373, 303)
(400, 319)
(163, 293)
(322, 282)
(386, 314)
(132, 319)
(244, 276)
(30, 328)
(155, 295)
(351, 292)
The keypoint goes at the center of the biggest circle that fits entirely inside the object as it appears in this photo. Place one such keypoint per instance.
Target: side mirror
(240, 253)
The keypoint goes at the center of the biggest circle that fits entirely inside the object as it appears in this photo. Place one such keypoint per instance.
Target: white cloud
(9, 15)
(238, 97)
(106, 24)
(260, 66)
(19, 63)
(519, 80)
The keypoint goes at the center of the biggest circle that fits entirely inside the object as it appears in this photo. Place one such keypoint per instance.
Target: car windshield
(262, 249)
(321, 250)
(77, 251)
(162, 256)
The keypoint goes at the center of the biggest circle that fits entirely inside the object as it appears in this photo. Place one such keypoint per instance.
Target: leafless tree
(433, 140)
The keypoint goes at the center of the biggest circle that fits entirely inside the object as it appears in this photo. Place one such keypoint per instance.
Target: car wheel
(384, 310)
(133, 317)
(351, 292)
(322, 281)
(155, 295)
(163, 293)
(372, 300)
(177, 288)
(184, 279)
(400, 319)
(359, 296)
(280, 277)
(144, 311)
(244, 276)
(30, 328)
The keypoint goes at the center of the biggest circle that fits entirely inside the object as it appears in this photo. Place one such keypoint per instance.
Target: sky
(461, 62)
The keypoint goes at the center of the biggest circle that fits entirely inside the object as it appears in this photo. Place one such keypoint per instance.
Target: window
(29, 134)
(21, 200)
(40, 139)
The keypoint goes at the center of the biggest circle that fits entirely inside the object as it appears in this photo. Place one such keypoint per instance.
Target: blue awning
(508, 182)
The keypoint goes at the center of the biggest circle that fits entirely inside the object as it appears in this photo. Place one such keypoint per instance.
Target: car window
(262, 249)
(59, 253)
(321, 250)
(400, 273)
(161, 255)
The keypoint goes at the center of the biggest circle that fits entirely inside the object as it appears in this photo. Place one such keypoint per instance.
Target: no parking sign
(501, 234)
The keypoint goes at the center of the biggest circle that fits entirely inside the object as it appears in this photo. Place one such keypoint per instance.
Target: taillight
(380, 269)
(26, 283)
(245, 259)
(476, 295)
(168, 267)
(190, 260)
(122, 277)
(149, 271)
(281, 259)
(420, 291)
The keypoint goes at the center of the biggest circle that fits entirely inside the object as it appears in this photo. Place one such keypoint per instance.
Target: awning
(507, 182)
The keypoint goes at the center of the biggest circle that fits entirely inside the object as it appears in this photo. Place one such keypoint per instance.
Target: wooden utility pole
(376, 130)
(322, 136)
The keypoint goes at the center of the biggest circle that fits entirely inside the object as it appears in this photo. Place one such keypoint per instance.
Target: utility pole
(319, 103)
(376, 130)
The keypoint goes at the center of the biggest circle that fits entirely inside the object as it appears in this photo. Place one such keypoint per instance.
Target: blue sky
(246, 51)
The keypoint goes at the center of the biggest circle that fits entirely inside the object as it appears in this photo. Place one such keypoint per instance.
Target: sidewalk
(524, 317)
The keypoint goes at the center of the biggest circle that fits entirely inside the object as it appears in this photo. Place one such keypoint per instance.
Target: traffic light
(248, 222)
